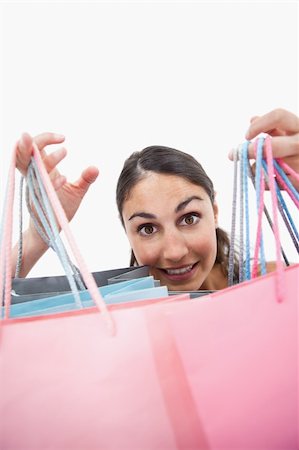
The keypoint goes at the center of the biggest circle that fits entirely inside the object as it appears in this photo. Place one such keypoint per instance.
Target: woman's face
(170, 224)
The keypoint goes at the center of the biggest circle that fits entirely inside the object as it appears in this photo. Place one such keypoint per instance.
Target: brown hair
(167, 160)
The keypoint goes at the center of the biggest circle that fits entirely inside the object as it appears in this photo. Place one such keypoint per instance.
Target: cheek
(146, 253)
(205, 244)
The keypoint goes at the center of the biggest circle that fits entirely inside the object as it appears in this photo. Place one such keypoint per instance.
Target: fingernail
(58, 136)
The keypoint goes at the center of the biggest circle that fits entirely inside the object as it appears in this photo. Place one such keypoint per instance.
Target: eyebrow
(186, 202)
(179, 208)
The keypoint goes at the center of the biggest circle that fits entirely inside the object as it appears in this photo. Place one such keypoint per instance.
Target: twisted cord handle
(6, 240)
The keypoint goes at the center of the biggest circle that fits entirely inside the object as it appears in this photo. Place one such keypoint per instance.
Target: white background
(115, 77)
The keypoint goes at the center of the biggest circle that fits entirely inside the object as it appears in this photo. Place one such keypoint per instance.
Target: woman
(166, 204)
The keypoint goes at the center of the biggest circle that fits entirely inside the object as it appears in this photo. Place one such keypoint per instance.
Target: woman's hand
(70, 194)
(283, 126)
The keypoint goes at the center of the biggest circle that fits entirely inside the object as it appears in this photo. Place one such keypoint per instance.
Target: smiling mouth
(180, 270)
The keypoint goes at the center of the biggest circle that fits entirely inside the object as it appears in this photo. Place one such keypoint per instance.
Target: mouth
(180, 273)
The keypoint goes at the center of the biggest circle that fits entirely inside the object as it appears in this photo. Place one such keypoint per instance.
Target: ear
(215, 209)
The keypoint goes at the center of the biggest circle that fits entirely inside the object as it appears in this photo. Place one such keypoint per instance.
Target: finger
(282, 147)
(276, 132)
(254, 118)
(24, 152)
(273, 132)
(26, 140)
(54, 158)
(276, 119)
(44, 139)
(88, 177)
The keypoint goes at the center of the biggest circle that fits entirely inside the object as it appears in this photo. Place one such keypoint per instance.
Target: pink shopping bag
(95, 378)
(92, 378)
(67, 384)
(239, 349)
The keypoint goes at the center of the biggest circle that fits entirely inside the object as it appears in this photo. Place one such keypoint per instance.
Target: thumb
(87, 178)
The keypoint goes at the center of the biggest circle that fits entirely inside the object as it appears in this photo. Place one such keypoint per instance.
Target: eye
(146, 229)
(190, 219)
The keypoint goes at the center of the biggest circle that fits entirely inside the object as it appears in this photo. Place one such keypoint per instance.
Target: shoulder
(270, 266)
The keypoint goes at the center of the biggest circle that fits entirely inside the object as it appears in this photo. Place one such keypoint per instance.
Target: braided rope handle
(267, 171)
(280, 282)
(6, 239)
(260, 190)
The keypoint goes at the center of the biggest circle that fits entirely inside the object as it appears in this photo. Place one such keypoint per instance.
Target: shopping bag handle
(6, 239)
(267, 168)
(271, 183)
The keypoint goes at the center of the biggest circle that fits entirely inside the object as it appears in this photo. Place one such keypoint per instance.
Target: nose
(175, 246)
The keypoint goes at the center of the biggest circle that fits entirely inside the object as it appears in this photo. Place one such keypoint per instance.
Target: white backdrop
(114, 77)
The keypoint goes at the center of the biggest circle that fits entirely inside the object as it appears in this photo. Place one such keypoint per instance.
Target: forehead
(162, 190)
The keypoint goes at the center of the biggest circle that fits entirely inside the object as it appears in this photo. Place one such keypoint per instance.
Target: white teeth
(179, 271)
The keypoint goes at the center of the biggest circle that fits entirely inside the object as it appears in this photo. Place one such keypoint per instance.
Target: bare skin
(171, 225)
(282, 125)
(69, 193)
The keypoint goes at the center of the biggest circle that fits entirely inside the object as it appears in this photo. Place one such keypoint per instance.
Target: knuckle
(278, 114)
(42, 139)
